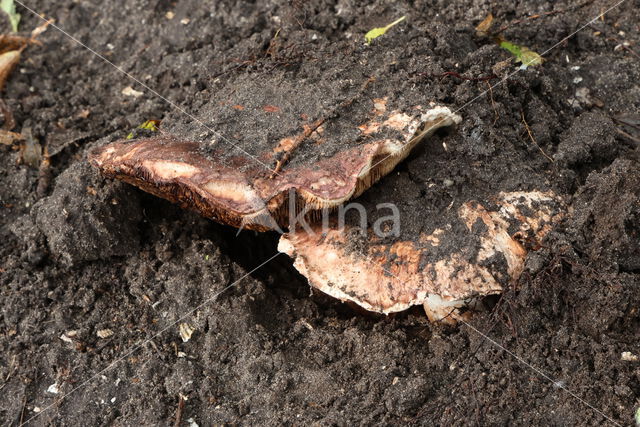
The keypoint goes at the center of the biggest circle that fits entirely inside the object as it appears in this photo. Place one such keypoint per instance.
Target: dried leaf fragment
(9, 138)
(271, 109)
(69, 336)
(104, 333)
(186, 331)
(482, 30)
(11, 47)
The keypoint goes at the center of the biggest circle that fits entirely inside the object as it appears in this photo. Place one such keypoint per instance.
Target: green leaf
(377, 32)
(523, 54)
(9, 8)
(151, 125)
(529, 57)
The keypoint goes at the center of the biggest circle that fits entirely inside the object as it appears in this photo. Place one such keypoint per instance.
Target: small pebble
(129, 91)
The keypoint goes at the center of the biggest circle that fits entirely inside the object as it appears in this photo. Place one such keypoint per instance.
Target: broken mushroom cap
(390, 277)
(240, 191)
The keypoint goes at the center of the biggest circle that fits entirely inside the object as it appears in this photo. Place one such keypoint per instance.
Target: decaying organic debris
(385, 277)
(239, 191)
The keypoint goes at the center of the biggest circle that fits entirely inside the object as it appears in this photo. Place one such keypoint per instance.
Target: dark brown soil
(80, 254)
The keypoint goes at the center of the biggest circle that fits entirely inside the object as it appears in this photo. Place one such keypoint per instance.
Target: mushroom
(480, 252)
(239, 191)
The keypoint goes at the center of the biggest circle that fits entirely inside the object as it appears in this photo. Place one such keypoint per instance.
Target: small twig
(272, 50)
(629, 136)
(10, 372)
(631, 120)
(475, 398)
(526, 126)
(181, 403)
(493, 103)
(24, 407)
(299, 139)
(9, 121)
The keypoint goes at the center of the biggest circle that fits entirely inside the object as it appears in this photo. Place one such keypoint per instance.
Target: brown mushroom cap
(239, 191)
